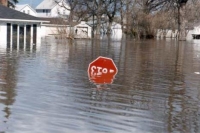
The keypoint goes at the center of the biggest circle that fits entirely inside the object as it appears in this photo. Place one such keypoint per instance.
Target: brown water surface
(47, 90)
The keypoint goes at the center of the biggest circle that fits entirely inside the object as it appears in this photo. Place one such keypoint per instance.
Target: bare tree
(139, 17)
(179, 7)
(182, 20)
(74, 7)
(111, 7)
(145, 13)
(96, 10)
(136, 16)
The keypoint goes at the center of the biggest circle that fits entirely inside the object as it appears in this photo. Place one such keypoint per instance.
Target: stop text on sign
(97, 70)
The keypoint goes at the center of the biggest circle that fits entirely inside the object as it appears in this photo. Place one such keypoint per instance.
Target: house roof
(11, 14)
(21, 7)
(48, 4)
(59, 21)
(82, 23)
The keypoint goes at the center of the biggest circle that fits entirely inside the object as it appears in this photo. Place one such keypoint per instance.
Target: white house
(59, 27)
(53, 8)
(19, 30)
(166, 33)
(194, 32)
(116, 31)
(54, 27)
(26, 9)
(82, 30)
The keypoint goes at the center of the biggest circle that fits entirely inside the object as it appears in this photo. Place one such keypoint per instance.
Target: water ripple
(48, 90)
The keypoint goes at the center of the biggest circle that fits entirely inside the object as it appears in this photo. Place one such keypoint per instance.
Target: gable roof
(82, 23)
(21, 7)
(11, 14)
(58, 21)
(47, 4)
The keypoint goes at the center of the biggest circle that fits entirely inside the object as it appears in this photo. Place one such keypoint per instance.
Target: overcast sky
(32, 3)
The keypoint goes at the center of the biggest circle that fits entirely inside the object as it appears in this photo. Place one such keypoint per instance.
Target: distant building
(194, 30)
(54, 27)
(58, 27)
(116, 29)
(82, 30)
(53, 8)
(26, 9)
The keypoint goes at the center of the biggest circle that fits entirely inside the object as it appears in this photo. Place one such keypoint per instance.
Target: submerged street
(47, 90)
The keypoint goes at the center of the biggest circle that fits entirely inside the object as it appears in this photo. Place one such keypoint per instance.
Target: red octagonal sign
(102, 70)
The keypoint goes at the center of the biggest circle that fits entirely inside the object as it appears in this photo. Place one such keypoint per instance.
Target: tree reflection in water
(155, 89)
(8, 81)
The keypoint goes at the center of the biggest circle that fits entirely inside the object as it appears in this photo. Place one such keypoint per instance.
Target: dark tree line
(12, 3)
(9, 3)
(139, 18)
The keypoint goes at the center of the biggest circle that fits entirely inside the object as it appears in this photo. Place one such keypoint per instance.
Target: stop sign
(102, 70)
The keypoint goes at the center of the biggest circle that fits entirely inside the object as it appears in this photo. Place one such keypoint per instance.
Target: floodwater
(47, 90)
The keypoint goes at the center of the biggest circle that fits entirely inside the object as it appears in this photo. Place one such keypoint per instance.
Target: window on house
(28, 11)
(63, 12)
(23, 11)
(43, 11)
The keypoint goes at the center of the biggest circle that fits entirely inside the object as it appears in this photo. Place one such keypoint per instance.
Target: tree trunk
(122, 17)
(128, 28)
(138, 32)
(109, 31)
(182, 31)
(98, 28)
(71, 31)
(98, 15)
(93, 25)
